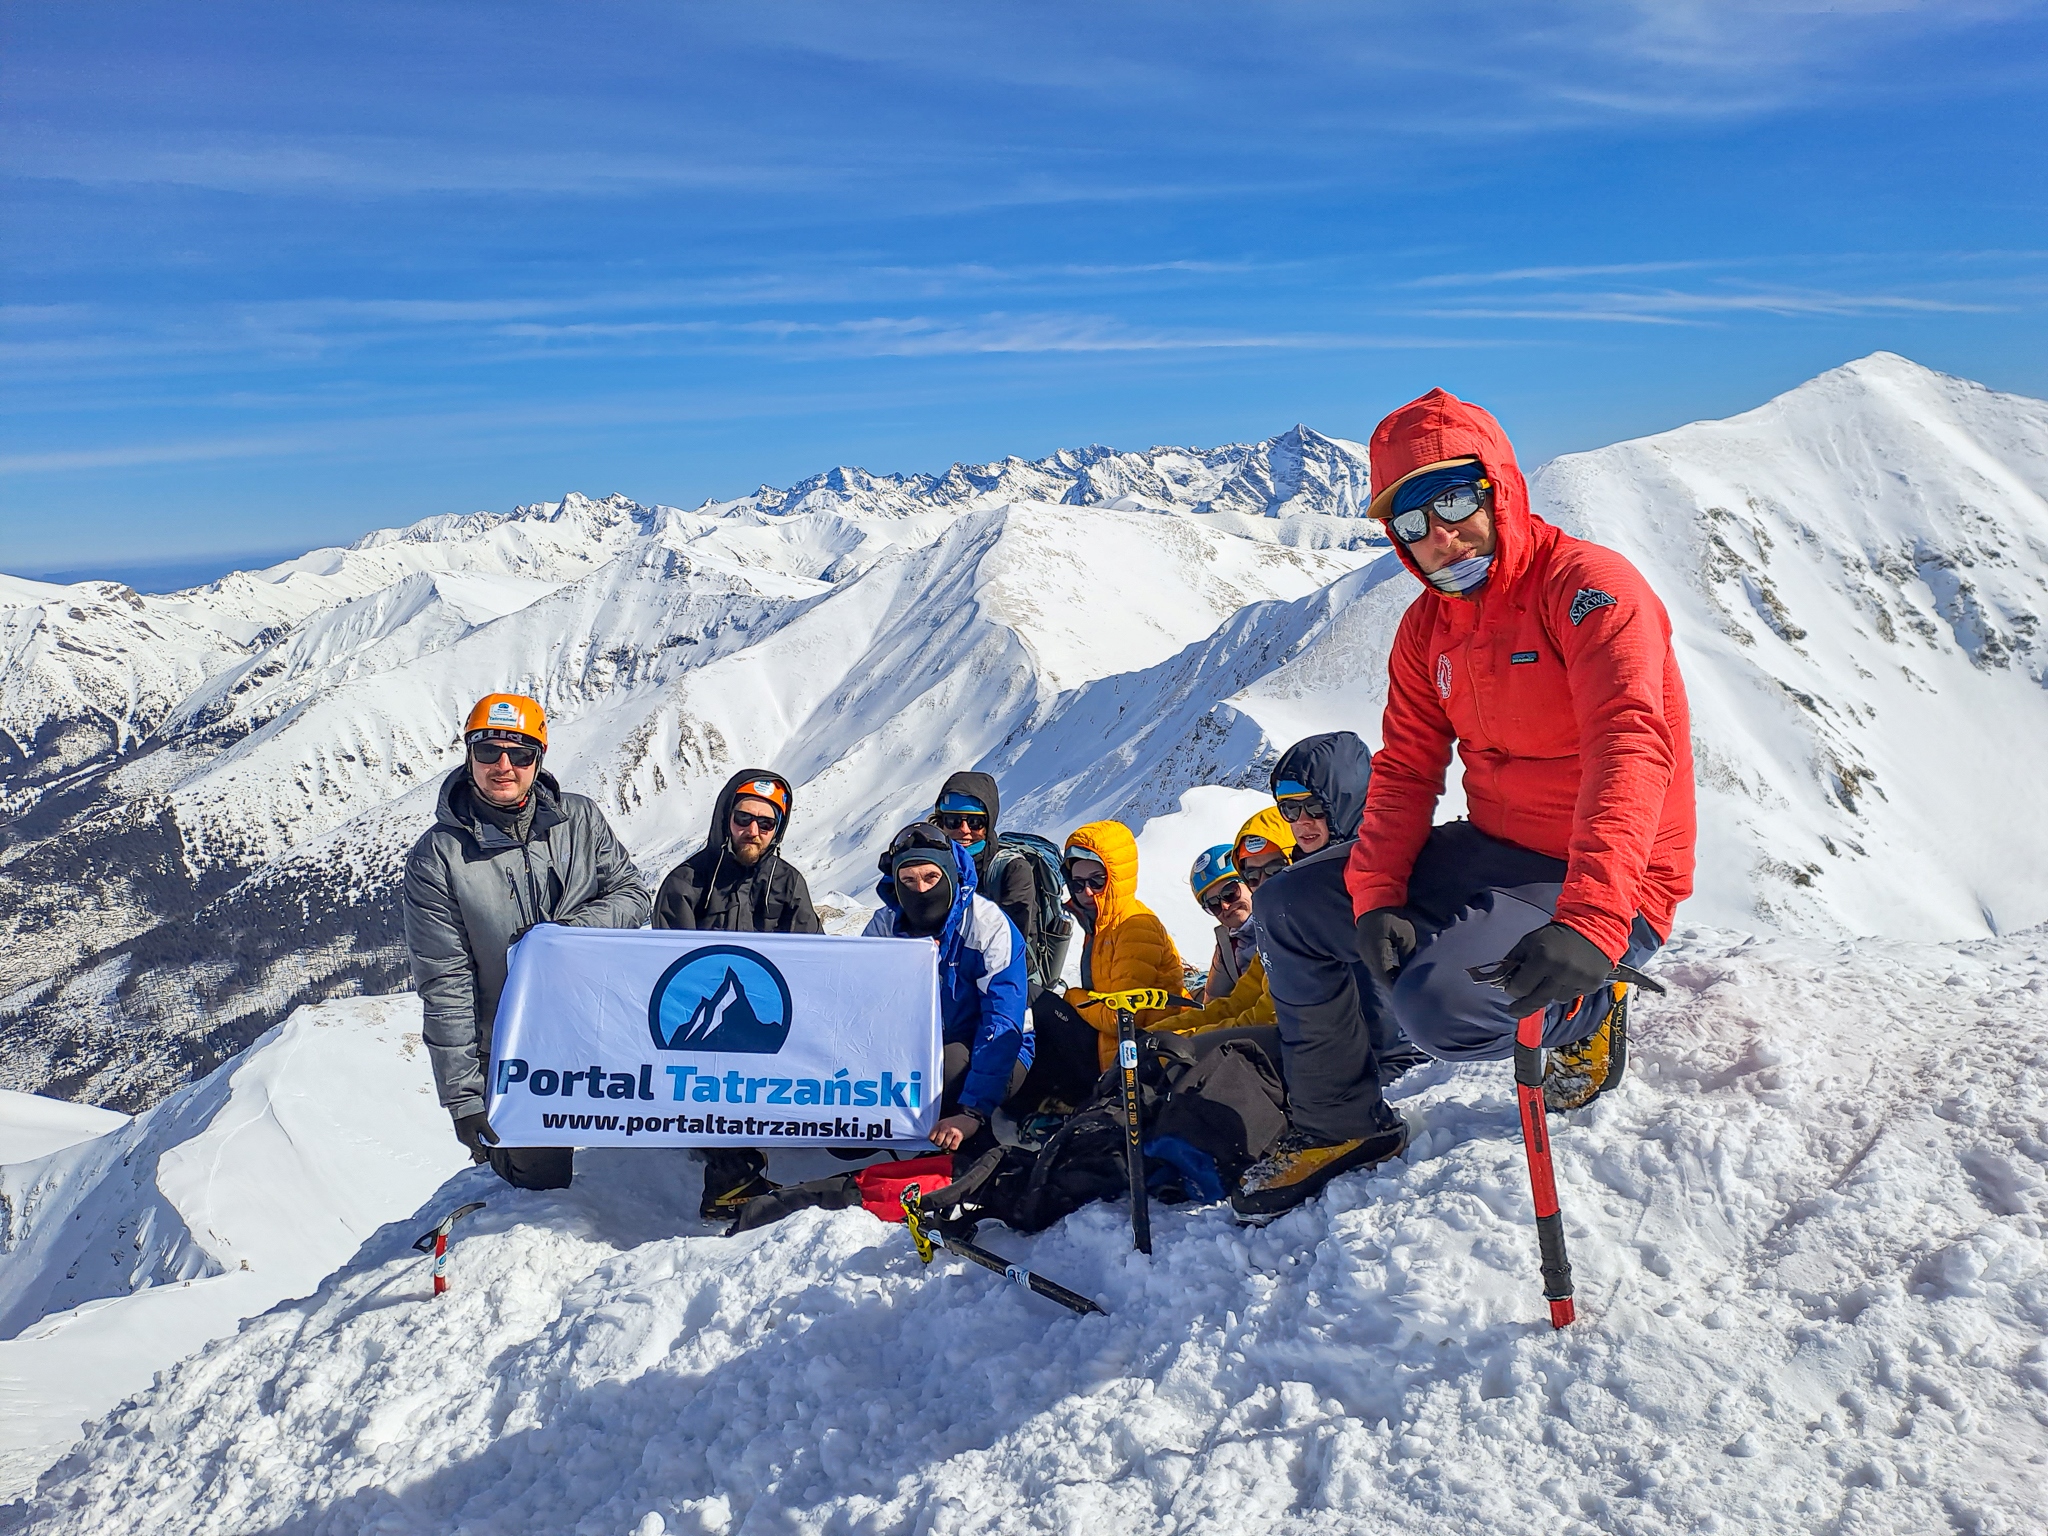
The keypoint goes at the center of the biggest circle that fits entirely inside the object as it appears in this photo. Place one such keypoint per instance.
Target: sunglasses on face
(1292, 811)
(1214, 905)
(1089, 883)
(1256, 875)
(967, 819)
(488, 752)
(742, 820)
(1452, 506)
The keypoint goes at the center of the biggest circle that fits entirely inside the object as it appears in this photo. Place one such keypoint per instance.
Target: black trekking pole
(927, 1238)
(1126, 1005)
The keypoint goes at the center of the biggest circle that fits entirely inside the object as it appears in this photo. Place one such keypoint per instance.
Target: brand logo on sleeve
(1587, 600)
(1443, 674)
(1522, 658)
(720, 998)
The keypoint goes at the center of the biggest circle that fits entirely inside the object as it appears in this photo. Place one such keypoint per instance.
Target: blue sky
(276, 275)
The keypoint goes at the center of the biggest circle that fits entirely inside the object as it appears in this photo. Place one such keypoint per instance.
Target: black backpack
(1046, 952)
(1207, 1113)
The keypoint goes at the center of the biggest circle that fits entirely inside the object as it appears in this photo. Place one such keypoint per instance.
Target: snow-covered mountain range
(1808, 1231)
(206, 794)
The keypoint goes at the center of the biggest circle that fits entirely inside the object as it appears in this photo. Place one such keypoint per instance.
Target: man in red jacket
(1546, 662)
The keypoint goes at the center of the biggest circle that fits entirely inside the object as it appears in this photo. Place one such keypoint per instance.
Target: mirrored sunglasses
(967, 819)
(1292, 811)
(491, 751)
(1452, 506)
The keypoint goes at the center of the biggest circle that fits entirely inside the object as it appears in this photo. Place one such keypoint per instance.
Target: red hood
(1440, 427)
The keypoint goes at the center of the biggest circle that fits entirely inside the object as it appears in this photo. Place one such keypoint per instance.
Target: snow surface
(1808, 1232)
(1812, 1274)
(32, 1125)
(129, 1251)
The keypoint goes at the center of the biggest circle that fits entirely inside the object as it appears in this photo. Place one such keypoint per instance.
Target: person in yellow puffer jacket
(1265, 845)
(1126, 946)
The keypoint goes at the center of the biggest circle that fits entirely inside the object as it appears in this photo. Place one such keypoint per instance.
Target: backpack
(1046, 950)
(1206, 1113)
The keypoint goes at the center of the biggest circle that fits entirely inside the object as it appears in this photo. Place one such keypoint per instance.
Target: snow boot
(1300, 1164)
(1579, 1074)
(732, 1177)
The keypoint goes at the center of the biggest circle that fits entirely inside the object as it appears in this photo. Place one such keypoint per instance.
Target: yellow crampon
(913, 1218)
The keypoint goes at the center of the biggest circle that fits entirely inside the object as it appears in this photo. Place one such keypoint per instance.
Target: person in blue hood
(927, 892)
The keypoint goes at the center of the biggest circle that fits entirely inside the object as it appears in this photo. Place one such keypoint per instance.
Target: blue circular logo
(720, 998)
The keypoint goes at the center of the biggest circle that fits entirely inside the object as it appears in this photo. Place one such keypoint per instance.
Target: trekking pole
(435, 1240)
(913, 1218)
(1126, 1005)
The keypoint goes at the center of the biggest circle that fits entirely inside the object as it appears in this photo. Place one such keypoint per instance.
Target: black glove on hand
(1385, 939)
(1554, 964)
(473, 1131)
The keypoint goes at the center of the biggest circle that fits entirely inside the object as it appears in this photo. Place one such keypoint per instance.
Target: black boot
(732, 1177)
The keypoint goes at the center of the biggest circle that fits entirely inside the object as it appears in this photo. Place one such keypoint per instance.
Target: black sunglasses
(491, 751)
(1214, 905)
(1256, 875)
(1292, 811)
(1090, 883)
(742, 820)
(1452, 506)
(967, 819)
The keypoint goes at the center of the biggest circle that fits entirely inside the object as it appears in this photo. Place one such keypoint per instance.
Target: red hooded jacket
(1557, 683)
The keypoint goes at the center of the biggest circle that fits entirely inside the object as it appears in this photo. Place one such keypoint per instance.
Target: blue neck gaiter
(1462, 575)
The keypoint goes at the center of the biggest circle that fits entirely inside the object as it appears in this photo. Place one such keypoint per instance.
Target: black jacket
(1337, 767)
(712, 889)
(1011, 887)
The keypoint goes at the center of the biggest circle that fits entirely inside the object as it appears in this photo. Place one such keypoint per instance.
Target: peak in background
(207, 794)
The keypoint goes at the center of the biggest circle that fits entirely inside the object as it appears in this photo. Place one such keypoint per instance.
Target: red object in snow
(1557, 1267)
(881, 1185)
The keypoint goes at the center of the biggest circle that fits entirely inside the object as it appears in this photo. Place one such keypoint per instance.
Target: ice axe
(1556, 1264)
(1127, 1005)
(435, 1241)
(929, 1237)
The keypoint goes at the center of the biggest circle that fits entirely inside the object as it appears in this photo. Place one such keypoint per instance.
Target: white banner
(612, 1037)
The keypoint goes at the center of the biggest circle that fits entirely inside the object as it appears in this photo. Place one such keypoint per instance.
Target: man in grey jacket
(508, 849)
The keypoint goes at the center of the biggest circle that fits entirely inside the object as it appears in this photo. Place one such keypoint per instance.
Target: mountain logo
(1586, 601)
(720, 998)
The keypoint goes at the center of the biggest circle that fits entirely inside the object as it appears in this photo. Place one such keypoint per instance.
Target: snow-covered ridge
(209, 792)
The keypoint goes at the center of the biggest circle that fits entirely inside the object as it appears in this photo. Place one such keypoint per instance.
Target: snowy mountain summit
(1808, 1231)
(207, 793)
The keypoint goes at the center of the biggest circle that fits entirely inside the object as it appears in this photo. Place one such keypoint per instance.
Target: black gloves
(1554, 964)
(473, 1131)
(1385, 939)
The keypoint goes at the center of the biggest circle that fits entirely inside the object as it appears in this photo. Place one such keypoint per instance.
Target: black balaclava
(924, 912)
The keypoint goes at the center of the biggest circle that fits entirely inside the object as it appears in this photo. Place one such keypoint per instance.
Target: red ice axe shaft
(436, 1240)
(1557, 1268)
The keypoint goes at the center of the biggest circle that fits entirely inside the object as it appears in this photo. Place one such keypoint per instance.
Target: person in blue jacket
(927, 891)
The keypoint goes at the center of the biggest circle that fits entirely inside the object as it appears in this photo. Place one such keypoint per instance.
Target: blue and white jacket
(982, 975)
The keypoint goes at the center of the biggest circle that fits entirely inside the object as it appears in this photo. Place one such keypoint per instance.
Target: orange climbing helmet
(507, 714)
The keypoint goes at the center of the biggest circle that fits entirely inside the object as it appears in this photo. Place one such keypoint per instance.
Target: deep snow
(1808, 1233)
(1813, 1283)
